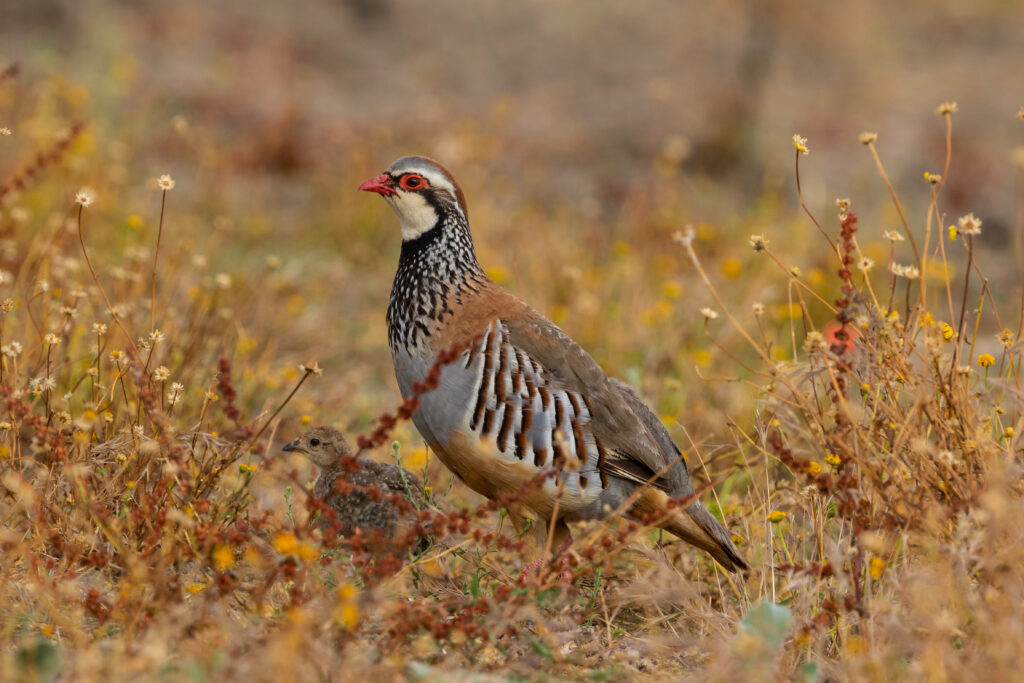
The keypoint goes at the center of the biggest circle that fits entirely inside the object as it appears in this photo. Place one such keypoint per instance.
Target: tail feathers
(695, 525)
(698, 527)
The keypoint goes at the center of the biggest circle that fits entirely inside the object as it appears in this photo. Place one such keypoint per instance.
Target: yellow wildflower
(776, 516)
(223, 558)
(876, 567)
(307, 553)
(672, 289)
(499, 274)
(286, 543)
(986, 360)
(348, 615)
(732, 268)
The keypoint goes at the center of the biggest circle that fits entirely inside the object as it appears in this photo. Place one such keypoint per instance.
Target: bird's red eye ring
(413, 181)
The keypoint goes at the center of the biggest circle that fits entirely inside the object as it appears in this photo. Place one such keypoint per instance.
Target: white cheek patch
(415, 215)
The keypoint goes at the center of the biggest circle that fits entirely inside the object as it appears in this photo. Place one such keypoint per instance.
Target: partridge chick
(523, 398)
(359, 491)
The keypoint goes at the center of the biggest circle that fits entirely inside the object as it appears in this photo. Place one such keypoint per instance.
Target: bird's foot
(538, 564)
(534, 566)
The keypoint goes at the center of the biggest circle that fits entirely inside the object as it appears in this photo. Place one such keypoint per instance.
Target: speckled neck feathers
(435, 271)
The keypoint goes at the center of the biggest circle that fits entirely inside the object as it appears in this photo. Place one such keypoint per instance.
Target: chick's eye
(314, 442)
(412, 182)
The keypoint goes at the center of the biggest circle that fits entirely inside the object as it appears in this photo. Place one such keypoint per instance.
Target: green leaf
(41, 658)
(809, 672)
(768, 622)
(540, 648)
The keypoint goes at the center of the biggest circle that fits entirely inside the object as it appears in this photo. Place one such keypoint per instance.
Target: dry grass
(870, 467)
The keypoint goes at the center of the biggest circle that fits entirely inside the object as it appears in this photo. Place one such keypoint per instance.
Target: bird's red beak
(382, 185)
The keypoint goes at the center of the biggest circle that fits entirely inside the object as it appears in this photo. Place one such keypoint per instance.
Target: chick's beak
(292, 446)
(382, 185)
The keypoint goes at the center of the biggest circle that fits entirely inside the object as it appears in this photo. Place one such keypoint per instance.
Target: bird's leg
(561, 535)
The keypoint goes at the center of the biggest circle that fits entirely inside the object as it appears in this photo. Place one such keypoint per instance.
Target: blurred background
(584, 135)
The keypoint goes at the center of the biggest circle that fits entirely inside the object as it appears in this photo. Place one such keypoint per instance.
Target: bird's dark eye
(314, 442)
(412, 181)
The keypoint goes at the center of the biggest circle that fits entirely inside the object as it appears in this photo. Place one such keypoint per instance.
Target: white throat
(415, 215)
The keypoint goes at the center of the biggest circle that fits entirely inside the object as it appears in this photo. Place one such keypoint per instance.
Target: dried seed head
(815, 341)
(1005, 338)
(969, 224)
(758, 242)
(910, 272)
(85, 197)
(801, 144)
(312, 368)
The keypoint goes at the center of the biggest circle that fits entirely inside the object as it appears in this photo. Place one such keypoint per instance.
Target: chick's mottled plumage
(360, 499)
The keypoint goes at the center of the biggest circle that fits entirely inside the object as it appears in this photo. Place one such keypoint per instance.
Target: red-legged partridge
(359, 495)
(523, 397)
